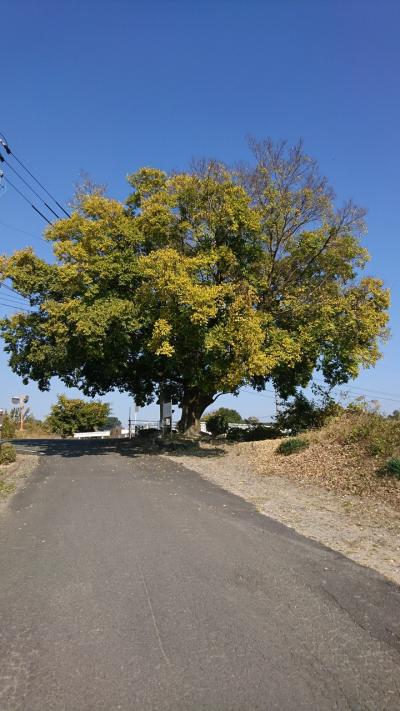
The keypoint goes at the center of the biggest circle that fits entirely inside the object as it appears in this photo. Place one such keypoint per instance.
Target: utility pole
(276, 403)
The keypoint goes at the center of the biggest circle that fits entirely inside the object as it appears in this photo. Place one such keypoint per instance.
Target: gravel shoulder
(13, 477)
(361, 528)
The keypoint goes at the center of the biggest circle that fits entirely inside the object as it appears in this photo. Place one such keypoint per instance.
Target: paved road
(131, 583)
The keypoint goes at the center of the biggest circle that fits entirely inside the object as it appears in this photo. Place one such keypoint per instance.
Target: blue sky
(107, 87)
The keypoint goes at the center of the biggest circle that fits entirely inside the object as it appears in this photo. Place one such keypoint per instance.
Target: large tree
(201, 283)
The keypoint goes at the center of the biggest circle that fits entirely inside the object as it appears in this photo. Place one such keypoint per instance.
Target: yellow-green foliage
(73, 415)
(204, 281)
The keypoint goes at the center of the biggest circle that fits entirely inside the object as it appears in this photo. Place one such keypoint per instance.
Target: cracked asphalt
(128, 582)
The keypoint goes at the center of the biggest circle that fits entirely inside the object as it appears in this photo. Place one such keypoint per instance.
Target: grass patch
(8, 454)
(6, 488)
(391, 468)
(293, 445)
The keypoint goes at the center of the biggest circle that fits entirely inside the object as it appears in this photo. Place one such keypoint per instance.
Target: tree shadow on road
(136, 447)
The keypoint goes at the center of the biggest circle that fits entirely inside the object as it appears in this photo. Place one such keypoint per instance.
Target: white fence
(91, 435)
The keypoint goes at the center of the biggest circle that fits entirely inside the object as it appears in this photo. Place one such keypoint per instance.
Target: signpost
(165, 416)
(136, 409)
(21, 401)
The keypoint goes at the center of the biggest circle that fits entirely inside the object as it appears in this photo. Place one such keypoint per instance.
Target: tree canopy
(200, 283)
(74, 415)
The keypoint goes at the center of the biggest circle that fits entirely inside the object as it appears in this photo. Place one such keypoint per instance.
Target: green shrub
(391, 468)
(8, 427)
(7, 453)
(301, 414)
(377, 434)
(217, 424)
(235, 434)
(148, 434)
(293, 445)
(253, 434)
(233, 416)
(261, 432)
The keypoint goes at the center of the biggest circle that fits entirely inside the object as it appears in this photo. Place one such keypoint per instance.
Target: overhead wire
(8, 150)
(15, 304)
(9, 288)
(24, 232)
(366, 390)
(11, 299)
(3, 160)
(27, 200)
(379, 397)
(16, 307)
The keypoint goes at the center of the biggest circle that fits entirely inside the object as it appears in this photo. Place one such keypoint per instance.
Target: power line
(16, 302)
(14, 307)
(363, 390)
(10, 297)
(380, 397)
(3, 160)
(24, 232)
(8, 150)
(26, 199)
(9, 288)
(260, 394)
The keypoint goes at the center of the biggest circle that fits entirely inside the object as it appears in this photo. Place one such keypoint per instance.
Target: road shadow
(194, 449)
(135, 447)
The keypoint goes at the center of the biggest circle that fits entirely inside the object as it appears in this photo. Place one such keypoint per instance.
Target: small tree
(217, 424)
(395, 415)
(231, 415)
(111, 423)
(300, 413)
(252, 420)
(69, 416)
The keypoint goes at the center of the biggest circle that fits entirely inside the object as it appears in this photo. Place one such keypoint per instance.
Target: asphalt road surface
(127, 582)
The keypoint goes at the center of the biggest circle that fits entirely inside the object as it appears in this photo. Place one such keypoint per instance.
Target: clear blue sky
(110, 86)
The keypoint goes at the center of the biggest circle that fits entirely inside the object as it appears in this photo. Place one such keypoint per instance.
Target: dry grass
(13, 476)
(344, 456)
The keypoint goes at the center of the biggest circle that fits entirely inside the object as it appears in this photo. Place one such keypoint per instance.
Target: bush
(253, 434)
(261, 432)
(7, 453)
(233, 416)
(217, 424)
(235, 434)
(8, 427)
(377, 434)
(391, 468)
(149, 433)
(293, 445)
(301, 414)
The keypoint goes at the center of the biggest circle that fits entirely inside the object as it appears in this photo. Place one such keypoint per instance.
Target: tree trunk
(193, 406)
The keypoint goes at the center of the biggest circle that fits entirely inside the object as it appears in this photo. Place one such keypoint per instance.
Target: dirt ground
(363, 528)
